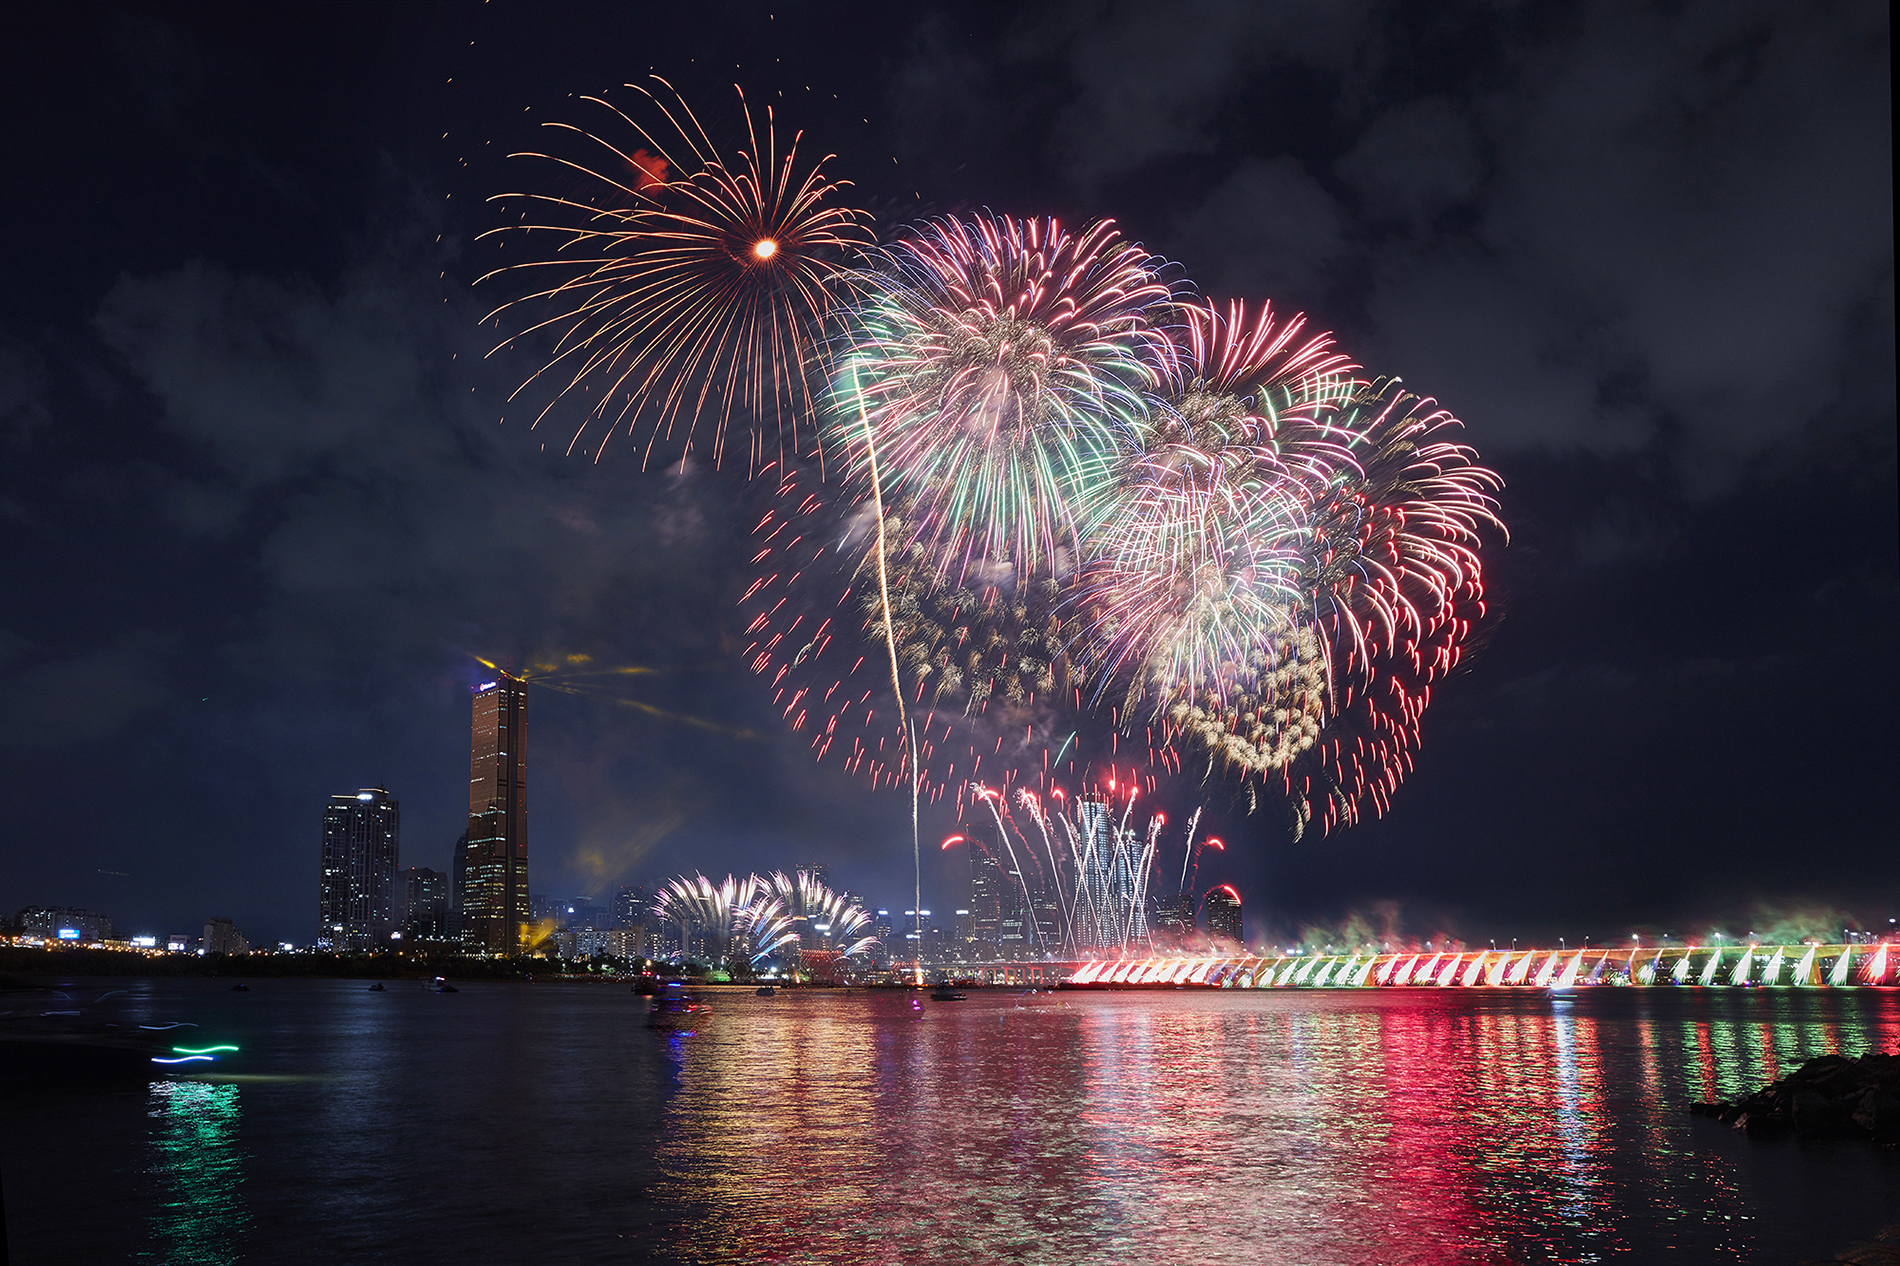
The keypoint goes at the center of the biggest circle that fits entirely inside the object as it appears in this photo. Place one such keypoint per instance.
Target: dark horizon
(261, 527)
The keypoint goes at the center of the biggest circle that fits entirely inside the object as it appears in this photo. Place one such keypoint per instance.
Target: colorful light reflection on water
(1324, 1129)
(1223, 1128)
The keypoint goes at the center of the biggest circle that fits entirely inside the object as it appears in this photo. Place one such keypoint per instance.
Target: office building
(356, 888)
(424, 903)
(1222, 906)
(495, 895)
(986, 904)
(458, 885)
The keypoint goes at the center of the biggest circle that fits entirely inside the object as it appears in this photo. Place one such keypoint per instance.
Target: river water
(513, 1122)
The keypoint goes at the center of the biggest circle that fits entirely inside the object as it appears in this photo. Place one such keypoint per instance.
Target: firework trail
(679, 286)
(1100, 860)
(1187, 850)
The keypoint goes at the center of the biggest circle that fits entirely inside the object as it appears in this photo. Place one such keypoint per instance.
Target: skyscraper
(423, 904)
(495, 892)
(986, 904)
(356, 891)
(458, 886)
(1223, 913)
(1108, 914)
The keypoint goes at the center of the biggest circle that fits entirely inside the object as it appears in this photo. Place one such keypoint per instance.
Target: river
(518, 1122)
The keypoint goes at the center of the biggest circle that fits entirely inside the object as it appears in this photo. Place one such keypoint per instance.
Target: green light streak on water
(200, 1215)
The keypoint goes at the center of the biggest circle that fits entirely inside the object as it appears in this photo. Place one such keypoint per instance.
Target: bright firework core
(765, 248)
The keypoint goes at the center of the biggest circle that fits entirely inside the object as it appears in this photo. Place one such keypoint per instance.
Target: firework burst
(1396, 584)
(991, 380)
(1192, 583)
(797, 911)
(1051, 506)
(984, 668)
(678, 286)
(719, 910)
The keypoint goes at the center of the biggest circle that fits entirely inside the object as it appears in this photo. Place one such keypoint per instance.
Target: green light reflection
(200, 1215)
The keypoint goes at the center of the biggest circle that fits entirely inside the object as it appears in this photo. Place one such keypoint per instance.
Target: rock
(1817, 1116)
(1878, 1114)
(1870, 1255)
(1764, 1125)
(1828, 1097)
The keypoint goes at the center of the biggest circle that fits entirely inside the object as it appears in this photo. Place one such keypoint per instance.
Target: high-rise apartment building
(495, 886)
(65, 923)
(357, 900)
(1222, 905)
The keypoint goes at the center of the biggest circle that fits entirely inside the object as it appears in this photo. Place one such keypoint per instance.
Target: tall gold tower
(495, 901)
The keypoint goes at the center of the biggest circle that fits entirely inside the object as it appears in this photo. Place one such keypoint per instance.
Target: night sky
(257, 513)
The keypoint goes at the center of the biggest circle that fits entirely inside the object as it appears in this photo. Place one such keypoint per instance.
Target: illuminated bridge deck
(1810, 965)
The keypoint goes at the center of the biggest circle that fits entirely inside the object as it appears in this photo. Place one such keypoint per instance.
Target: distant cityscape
(368, 902)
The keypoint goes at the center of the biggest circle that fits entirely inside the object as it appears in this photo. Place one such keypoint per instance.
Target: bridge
(1809, 964)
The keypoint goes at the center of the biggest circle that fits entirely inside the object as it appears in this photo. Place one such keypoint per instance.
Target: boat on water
(675, 1008)
(442, 985)
(944, 993)
(767, 991)
(376, 988)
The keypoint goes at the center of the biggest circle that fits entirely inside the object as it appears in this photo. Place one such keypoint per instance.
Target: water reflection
(1231, 1127)
(199, 1215)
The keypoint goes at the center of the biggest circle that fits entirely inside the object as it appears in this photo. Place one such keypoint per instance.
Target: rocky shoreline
(1829, 1097)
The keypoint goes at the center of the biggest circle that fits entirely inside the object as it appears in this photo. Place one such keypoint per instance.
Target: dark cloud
(1150, 82)
(24, 406)
(68, 699)
(1595, 227)
(1268, 229)
(260, 506)
(1414, 162)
